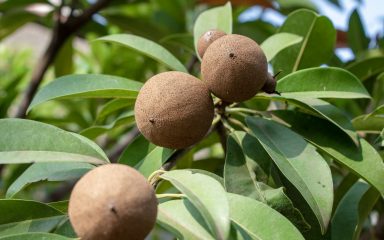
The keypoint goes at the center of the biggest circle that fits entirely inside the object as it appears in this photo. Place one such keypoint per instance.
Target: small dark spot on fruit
(112, 209)
(232, 55)
(152, 120)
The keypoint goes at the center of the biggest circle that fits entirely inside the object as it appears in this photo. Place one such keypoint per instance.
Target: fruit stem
(242, 110)
(170, 195)
(216, 119)
(227, 125)
(155, 176)
(240, 124)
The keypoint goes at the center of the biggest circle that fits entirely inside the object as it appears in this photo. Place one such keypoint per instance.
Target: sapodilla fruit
(234, 67)
(174, 110)
(206, 39)
(270, 85)
(112, 202)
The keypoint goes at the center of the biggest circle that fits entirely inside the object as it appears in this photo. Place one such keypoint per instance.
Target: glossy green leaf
(278, 42)
(369, 123)
(87, 86)
(36, 236)
(300, 163)
(145, 156)
(367, 68)
(327, 82)
(21, 216)
(148, 48)
(352, 211)
(322, 109)
(181, 218)
(114, 106)
(357, 39)
(126, 119)
(363, 161)
(48, 171)
(207, 195)
(260, 221)
(25, 141)
(319, 37)
(242, 175)
(214, 18)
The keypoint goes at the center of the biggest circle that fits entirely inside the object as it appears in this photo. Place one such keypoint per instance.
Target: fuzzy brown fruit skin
(174, 110)
(112, 202)
(235, 68)
(207, 39)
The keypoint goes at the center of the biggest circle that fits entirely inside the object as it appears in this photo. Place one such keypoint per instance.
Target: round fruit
(174, 110)
(235, 68)
(112, 202)
(270, 85)
(206, 39)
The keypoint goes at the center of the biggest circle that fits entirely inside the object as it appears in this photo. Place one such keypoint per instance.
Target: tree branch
(61, 32)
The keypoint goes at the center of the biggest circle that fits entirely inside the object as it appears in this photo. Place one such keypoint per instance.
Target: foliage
(306, 164)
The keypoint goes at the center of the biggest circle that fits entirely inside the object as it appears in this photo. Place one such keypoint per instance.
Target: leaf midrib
(289, 163)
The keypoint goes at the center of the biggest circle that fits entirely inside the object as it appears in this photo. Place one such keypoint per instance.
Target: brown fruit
(270, 85)
(174, 110)
(206, 39)
(235, 68)
(112, 202)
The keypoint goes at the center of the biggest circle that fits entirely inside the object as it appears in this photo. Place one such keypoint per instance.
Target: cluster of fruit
(174, 110)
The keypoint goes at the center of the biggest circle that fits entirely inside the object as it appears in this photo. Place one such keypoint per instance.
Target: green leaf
(327, 82)
(26, 141)
(65, 229)
(35, 236)
(214, 18)
(207, 195)
(126, 119)
(62, 206)
(63, 63)
(363, 160)
(48, 171)
(114, 106)
(357, 39)
(331, 113)
(87, 86)
(145, 156)
(369, 123)
(352, 211)
(181, 218)
(148, 48)
(278, 42)
(319, 37)
(241, 174)
(258, 220)
(21, 216)
(321, 109)
(299, 163)
(367, 68)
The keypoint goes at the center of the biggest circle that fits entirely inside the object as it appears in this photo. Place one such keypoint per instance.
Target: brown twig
(220, 128)
(61, 32)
